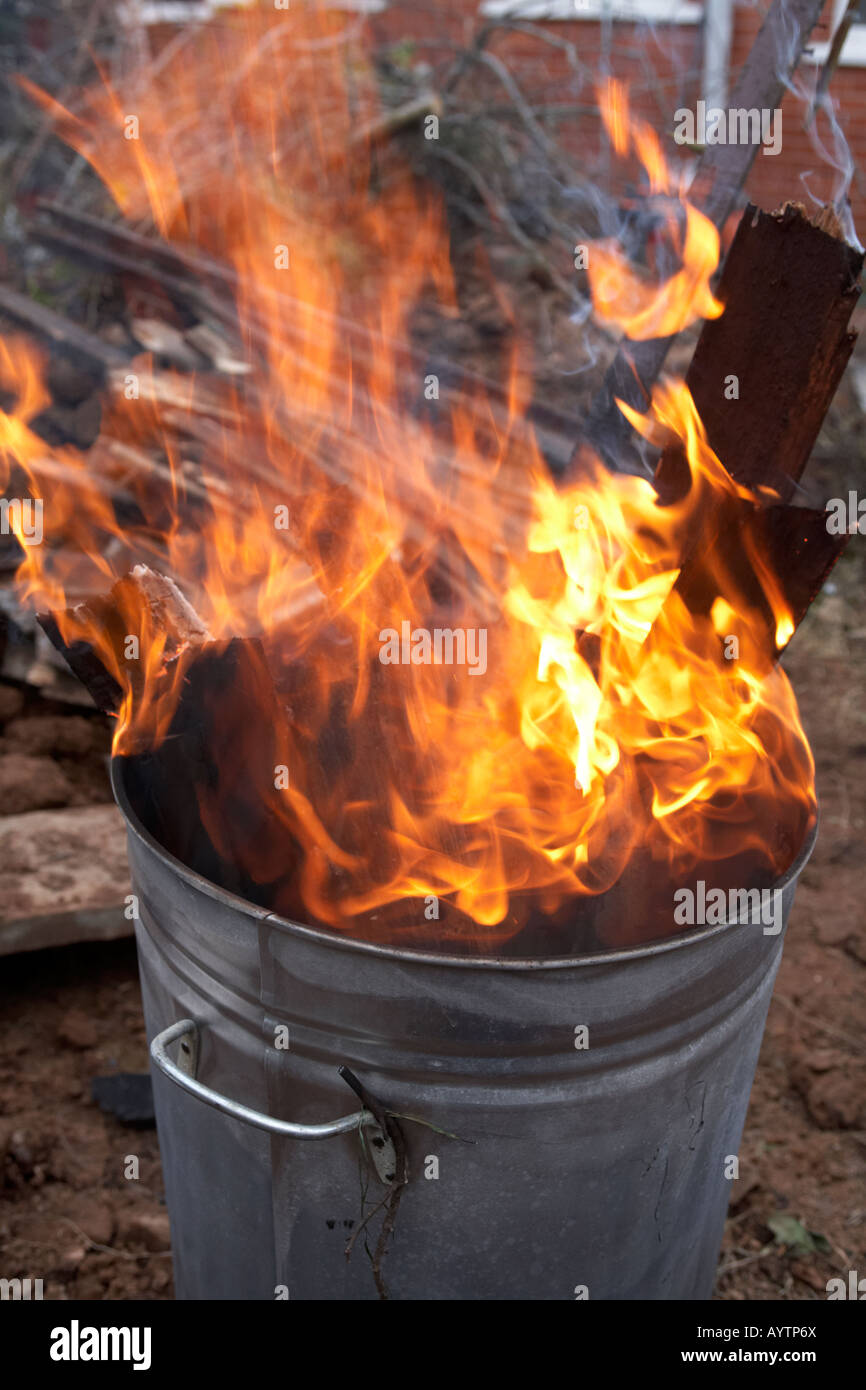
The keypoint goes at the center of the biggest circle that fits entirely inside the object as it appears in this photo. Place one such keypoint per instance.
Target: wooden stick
(397, 118)
(833, 57)
(60, 330)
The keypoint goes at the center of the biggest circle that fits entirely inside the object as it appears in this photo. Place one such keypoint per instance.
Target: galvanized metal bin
(599, 1169)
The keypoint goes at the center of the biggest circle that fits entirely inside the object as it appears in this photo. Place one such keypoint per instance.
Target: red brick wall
(663, 75)
(799, 169)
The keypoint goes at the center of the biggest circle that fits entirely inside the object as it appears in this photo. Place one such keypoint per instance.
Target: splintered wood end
(825, 219)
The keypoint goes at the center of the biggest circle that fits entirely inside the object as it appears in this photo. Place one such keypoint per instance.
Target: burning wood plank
(171, 615)
(789, 286)
(204, 804)
(790, 544)
(792, 282)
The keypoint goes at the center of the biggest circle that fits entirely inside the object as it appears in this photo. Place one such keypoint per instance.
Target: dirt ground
(68, 1213)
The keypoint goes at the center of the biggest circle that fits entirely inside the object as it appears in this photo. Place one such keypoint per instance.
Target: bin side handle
(183, 1074)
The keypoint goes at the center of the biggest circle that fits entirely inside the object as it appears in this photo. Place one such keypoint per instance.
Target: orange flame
(621, 295)
(604, 728)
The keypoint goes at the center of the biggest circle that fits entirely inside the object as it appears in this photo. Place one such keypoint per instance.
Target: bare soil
(68, 1213)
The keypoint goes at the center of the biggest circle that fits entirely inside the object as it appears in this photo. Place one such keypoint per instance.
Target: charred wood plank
(789, 287)
(82, 660)
(791, 544)
(170, 613)
(207, 792)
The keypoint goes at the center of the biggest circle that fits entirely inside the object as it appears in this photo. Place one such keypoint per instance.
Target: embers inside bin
(196, 796)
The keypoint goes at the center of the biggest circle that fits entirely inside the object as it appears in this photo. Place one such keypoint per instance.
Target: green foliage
(790, 1232)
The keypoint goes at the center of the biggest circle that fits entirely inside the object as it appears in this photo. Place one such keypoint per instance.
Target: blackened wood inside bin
(166, 785)
(165, 788)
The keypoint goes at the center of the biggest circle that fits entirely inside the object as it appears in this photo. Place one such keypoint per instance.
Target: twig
(60, 329)
(388, 1126)
(539, 136)
(348, 335)
(389, 122)
(833, 57)
(731, 1265)
(499, 211)
(81, 55)
(465, 58)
